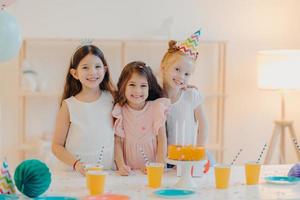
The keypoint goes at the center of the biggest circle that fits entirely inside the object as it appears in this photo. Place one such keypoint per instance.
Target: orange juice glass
(252, 171)
(154, 173)
(222, 175)
(93, 167)
(95, 180)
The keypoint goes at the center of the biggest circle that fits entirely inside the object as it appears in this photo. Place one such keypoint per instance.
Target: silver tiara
(86, 41)
(83, 42)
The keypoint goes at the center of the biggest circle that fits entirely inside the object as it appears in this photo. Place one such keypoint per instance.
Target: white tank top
(183, 110)
(91, 128)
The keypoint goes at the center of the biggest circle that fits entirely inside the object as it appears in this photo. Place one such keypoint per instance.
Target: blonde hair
(172, 50)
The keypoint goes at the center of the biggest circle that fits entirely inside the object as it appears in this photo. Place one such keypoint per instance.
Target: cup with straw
(154, 171)
(222, 173)
(96, 166)
(252, 169)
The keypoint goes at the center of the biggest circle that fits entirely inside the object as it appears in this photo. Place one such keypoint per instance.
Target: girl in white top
(84, 122)
(177, 66)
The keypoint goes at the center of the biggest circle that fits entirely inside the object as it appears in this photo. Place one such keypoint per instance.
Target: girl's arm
(59, 140)
(161, 145)
(123, 169)
(202, 125)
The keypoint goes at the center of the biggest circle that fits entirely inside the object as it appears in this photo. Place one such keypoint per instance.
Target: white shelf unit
(50, 59)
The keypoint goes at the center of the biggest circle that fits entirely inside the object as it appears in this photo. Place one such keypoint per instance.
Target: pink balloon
(6, 3)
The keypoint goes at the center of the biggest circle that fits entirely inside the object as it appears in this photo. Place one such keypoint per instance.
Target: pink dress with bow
(139, 129)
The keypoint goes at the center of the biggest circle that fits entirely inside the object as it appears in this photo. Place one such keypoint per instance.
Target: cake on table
(186, 152)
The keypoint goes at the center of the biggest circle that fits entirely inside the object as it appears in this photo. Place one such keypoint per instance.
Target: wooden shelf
(39, 94)
(27, 146)
(35, 145)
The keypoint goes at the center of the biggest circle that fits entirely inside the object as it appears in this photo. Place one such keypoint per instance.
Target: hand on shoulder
(163, 101)
(185, 87)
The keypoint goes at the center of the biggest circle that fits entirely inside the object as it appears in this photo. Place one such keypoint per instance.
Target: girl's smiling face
(177, 72)
(137, 91)
(90, 71)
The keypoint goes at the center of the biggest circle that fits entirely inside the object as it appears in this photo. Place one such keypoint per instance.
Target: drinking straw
(144, 156)
(296, 144)
(236, 156)
(101, 154)
(261, 153)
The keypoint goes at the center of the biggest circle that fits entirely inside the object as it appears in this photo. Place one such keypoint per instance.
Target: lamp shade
(279, 69)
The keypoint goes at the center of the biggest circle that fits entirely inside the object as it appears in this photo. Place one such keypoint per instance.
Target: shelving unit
(39, 94)
(50, 59)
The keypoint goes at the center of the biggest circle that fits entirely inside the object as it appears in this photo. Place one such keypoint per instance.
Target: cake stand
(186, 179)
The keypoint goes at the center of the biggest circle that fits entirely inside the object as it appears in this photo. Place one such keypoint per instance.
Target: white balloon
(10, 37)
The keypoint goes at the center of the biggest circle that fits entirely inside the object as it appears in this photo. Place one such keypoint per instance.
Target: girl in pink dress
(140, 115)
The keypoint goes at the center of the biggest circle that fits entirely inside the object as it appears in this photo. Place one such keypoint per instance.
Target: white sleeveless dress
(183, 110)
(91, 128)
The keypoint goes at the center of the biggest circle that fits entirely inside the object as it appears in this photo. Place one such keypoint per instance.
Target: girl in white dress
(84, 122)
(186, 115)
(177, 66)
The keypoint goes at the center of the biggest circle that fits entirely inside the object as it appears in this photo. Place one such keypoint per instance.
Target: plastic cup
(222, 175)
(154, 173)
(252, 171)
(93, 167)
(95, 180)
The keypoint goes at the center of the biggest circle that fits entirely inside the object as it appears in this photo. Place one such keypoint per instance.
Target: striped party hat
(189, 46)
(6, 183)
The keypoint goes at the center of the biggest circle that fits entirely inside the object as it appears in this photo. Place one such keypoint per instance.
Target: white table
(73, 184)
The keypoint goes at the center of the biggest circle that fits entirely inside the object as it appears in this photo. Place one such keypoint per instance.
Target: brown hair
(140, 68)
(72, 85)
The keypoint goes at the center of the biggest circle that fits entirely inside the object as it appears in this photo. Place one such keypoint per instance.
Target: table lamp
(279, 70)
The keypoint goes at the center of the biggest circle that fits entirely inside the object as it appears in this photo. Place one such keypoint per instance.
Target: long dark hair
(72, 85)
(155, 91)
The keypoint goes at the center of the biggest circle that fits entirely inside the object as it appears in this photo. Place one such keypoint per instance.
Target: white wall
(247, 25)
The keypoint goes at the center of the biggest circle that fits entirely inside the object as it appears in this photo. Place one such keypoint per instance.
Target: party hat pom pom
(295, 171)
(32, 178)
